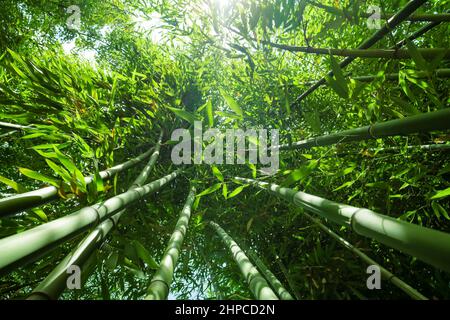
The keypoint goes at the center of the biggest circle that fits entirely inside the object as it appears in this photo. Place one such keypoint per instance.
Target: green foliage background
(205, 60)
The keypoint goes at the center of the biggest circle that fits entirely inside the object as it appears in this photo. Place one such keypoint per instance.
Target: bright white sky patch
(87, 55)
(153, 25)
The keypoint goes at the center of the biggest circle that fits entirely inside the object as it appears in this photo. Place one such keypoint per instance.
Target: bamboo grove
(87, 179)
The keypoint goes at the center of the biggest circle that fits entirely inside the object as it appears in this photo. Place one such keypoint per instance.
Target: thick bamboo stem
(426, 244)
(439, 73)
(276, 285)
(393, 22)
(421, 123)
(258, 285)
(27, 246)
(160, 284)
(55, 283)
(28, 200)
(386, 274)
(365, 53)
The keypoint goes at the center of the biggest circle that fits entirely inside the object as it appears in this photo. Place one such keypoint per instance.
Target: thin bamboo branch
(55, 283)
(365, 53)
(15, 126)
(426, 244)
(257, 284)
(386, 274)
(160, 284)
(438, 73)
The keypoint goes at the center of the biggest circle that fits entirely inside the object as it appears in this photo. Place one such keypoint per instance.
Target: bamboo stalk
(287, 276)
(443, 17)
(276, 285)
(365, 53)
(438, 73)
(27, 246)
(28, 200)
(386, 274)
(426, 244)
(55, 283)
(421, 123)
(160, 284)
(258, 285)
(426, 147)
(393, 22)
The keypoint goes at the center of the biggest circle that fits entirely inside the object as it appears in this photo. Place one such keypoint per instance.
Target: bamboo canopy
(25, 247)
(55, 283)
(386, 274)
(160, 284)
(421, 123)
(443, 17)
(28, 200)
(393, 22)
(258, 285)
(426, 244)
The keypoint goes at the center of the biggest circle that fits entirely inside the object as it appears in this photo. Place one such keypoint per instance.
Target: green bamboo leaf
(406, 107)
(236, 191)
(301, 173)
(144, 255)
(59, 170)
(34, 135)
(228, 115)
(41, 214)
(73, 170)
(47, 154)
(337, 71)
(441, 194)
(345, 185)
(111, 261)
(14, 185)
(436, 209)
(253, 168)
(340, 90)
(225, 191)
(99, 183)
(209, 113)
(217, 173)
(39, 176)
(341, 83)
(249, 224)
(417, 56)
(211, 189)
(232, 103)
(189, 117)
